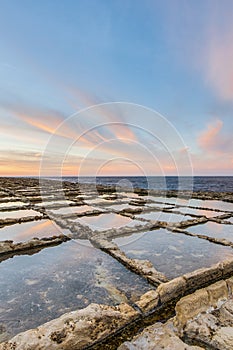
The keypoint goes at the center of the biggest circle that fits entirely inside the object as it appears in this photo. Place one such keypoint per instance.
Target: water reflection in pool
(35, 289)
(107, 221)
(17, 214)
(162, 216)
(213, 229)
(172, 253)
(28, 230)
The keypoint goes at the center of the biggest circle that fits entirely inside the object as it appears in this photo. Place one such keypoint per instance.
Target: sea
(196, 183)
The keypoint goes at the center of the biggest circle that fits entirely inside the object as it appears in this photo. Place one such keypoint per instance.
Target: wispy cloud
(209, 138)
(219, 68)
(215, 150)
(214, 140)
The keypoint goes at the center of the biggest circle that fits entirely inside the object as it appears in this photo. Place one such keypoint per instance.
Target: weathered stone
(217, 292)
(190, 306)
(147, 269)
(74, 330)
(142, 267)
(229, 282)
(226, 313)
(11, 247)
(201, 328)
(223, 339)
(201, 277)
(103, 243)
(157, 337)
(148, 301)
(227, 267)
(172, 289)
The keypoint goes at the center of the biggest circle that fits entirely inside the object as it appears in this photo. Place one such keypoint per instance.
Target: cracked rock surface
(213, 329)
(158, 337)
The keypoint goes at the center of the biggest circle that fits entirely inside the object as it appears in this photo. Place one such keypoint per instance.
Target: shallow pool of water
(120, 207)
(52, 203)
(201, 212)
(72, 210)
(173, 253)
(213, 229)
(98, 201)
(213, 204)
(12, 204)
(28, 230)
(35, 289)
(160, 205)
(17, 214)
(162, 216)
(107, 221)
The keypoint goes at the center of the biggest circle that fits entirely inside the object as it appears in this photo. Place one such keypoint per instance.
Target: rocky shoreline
(200, 299)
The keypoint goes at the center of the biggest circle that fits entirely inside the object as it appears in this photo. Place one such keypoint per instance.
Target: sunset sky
(58, 58)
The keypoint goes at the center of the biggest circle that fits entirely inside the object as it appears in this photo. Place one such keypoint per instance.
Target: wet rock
(103, 243)
(146, 268)
(74, 330)
(7, 247)
(142, 267)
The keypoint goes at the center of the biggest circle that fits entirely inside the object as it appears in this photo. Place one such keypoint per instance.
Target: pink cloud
(218, 62)
(208, 139)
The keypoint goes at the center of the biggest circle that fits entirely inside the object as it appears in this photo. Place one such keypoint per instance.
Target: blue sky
(175, 57)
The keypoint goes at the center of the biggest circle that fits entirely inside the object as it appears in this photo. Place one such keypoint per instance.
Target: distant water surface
(197, 183)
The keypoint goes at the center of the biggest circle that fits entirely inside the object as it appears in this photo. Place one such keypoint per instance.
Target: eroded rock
(157, 337)
(74, 330)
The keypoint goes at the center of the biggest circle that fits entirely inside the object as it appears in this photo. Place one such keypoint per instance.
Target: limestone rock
(223, 339)
(204, 276)
(201, 328)
(217, 292)
(229, 282)
(172, 289)
(148, 301)
(227, 267)
(74, 330)
(157, 337)
(215, 329)
(190, 306)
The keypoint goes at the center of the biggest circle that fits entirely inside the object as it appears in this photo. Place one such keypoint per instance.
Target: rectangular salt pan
(98, 201)
(53, 203)
(107, 221)
(74, 209)
(120, 207)
(35, 289)
(17, 214)
(201, 212)
(162, 216)
(213, 229)
(28, 230)
(174, 254)
(211, 204)
(12, 204)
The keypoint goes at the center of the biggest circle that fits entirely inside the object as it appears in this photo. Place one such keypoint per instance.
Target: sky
(99, 87)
